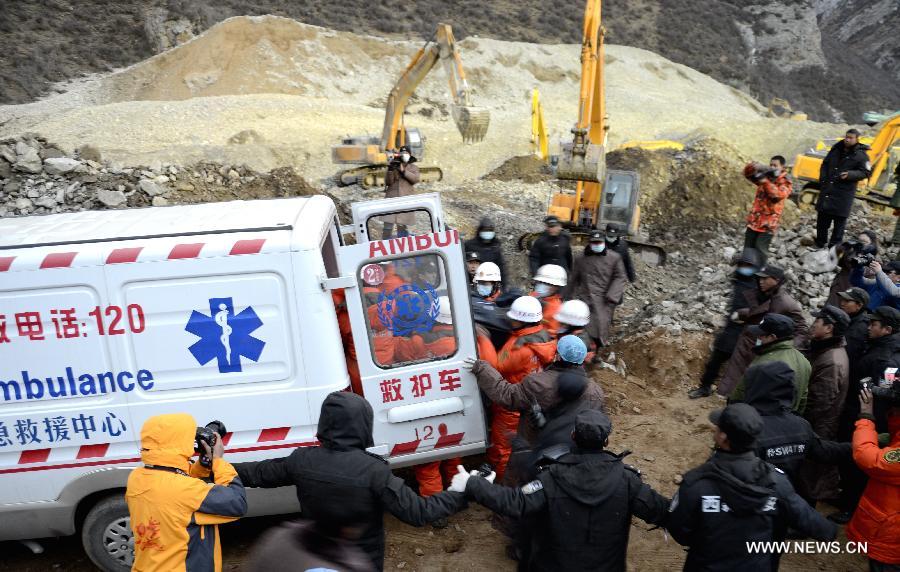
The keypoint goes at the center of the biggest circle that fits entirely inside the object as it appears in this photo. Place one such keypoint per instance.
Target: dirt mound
(525, 168)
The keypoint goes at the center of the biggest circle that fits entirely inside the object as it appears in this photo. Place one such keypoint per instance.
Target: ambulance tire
(106, 535)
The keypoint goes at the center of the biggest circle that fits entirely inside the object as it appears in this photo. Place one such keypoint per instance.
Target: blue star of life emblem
(225, 335)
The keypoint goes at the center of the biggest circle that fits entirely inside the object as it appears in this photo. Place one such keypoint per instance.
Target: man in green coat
(775, 342)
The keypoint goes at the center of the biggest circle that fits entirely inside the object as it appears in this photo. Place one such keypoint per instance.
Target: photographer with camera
(882, 283)
(402, 175)
(174, 511)
(772, 188)
(877, 520)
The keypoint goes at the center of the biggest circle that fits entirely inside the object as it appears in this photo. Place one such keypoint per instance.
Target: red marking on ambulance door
(35, 456)
(6, 262)
(273, 434)
(186, 251)
(92, 451)
(58, 260)
(248, 246)
(404, 448)
(227, 438)
(446, 440)
(122, 255)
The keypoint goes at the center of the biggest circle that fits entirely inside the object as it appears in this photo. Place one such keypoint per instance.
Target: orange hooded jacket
(877, 517)
(174, 513)
(551, 305)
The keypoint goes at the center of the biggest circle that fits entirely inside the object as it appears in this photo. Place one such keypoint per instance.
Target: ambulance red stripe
(273, 434)
(34, 456)
(92, 451)
(58, 260)
(248, 246)
(6, 262)
(122, 255)
(186, 251)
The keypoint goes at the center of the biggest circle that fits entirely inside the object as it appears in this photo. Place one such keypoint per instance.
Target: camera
(863, 259)
(890, 393)
(484, 470)
(209, 434)
(859, 254)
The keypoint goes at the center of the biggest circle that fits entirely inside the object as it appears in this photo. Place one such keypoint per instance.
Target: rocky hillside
(826, 56)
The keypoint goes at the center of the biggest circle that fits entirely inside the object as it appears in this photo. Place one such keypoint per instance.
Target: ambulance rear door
(427, 406)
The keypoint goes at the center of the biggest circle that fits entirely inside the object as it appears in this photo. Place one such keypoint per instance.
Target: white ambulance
(223, 311)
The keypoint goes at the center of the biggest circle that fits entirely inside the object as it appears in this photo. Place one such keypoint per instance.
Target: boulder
(60, 165)
(23, 203)
(111, 199)
(27, 159)
(151, 187)
(8, 153)
(51, 153)
(159, 201)
(5, 169)
(47, 201)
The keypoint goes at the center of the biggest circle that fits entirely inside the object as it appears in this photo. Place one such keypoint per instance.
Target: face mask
(404, 157)
(542, 289)
(744, 271)
(598, 247)
(484, 290)
(487, 235)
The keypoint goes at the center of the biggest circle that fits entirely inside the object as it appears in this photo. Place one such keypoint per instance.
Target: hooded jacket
(877, 518)
(174, 513)
(488, 250)
(783, 351)
(340, 473)
(732, 499)
(759, 304)
(786, 439)
(582, 506)
(836, 194)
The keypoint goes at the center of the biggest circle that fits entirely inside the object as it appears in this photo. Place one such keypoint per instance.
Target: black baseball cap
(855, 294)
(552, 221)
(614, 230)
(777, 324)
(597, 236)
(592, 429)
(771, 271)
(835, 316)
(741, 422)
(473, 256)
(887, 316)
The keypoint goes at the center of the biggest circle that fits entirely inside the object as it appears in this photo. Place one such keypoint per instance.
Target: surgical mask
(542, 289)
(484, 290)
(598, 247)
(487, 235)
(745, 271)
(404, 157)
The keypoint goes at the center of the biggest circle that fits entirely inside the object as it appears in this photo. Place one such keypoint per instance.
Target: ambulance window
(404, 223)
(404, 318)
(329, 254)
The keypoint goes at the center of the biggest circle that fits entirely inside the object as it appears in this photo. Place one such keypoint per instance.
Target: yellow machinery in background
(540, 144)
(601, 196)
(877, 190)
(374, 153)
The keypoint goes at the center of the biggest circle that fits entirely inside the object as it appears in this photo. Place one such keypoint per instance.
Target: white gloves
(458, 485)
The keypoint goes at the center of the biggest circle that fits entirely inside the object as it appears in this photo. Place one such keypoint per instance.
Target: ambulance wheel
(106, 535)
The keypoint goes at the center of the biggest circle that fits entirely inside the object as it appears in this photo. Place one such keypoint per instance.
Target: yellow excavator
(601, 196)
(374, 153)
(540, 142)
(884, 154)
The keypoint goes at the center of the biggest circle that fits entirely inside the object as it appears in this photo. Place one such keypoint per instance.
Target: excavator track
(372, 176)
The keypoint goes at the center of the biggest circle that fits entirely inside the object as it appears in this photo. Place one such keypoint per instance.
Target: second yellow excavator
(373, 153)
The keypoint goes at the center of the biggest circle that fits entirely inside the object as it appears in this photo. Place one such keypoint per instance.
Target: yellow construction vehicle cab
(600, 196)
(884, 154)
(374, 153)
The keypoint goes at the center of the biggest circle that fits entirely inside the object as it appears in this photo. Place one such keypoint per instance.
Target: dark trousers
(758, 240)
(823, 222)
(717, 359)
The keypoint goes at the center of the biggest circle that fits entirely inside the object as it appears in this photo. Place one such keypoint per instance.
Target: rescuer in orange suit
(529, 348)
(573, 317)
(548, 282)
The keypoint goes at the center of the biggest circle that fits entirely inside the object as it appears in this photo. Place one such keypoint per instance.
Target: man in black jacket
(846, 164)
(736, 498)
(854, 301)
(340, 471)
(486, 244)
(582, 501)
(615, 241)
(786, 439)
(552, 247)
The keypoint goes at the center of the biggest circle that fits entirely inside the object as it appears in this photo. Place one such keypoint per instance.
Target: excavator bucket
(471, 121)
(581, 163)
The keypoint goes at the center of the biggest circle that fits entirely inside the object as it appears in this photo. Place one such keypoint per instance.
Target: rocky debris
(60, 165)
(111, 199)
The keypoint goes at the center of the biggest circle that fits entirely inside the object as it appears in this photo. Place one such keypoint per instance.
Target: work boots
(698, 392)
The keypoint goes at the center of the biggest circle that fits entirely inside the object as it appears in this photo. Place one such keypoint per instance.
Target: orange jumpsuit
(526, 351)
(551, 305)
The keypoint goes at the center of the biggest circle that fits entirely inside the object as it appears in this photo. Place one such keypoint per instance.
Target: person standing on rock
(552, 247)
(846, 164)
(615, 241)
(743, 281)
(769, 296)
(773, 187)
(486, 244)
(402, 176)
(599, 279)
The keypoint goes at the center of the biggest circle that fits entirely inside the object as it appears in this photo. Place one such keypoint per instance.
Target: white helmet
(445, 315)
(526, 309)
(487, 272)
(551, 274)
(574, 313)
